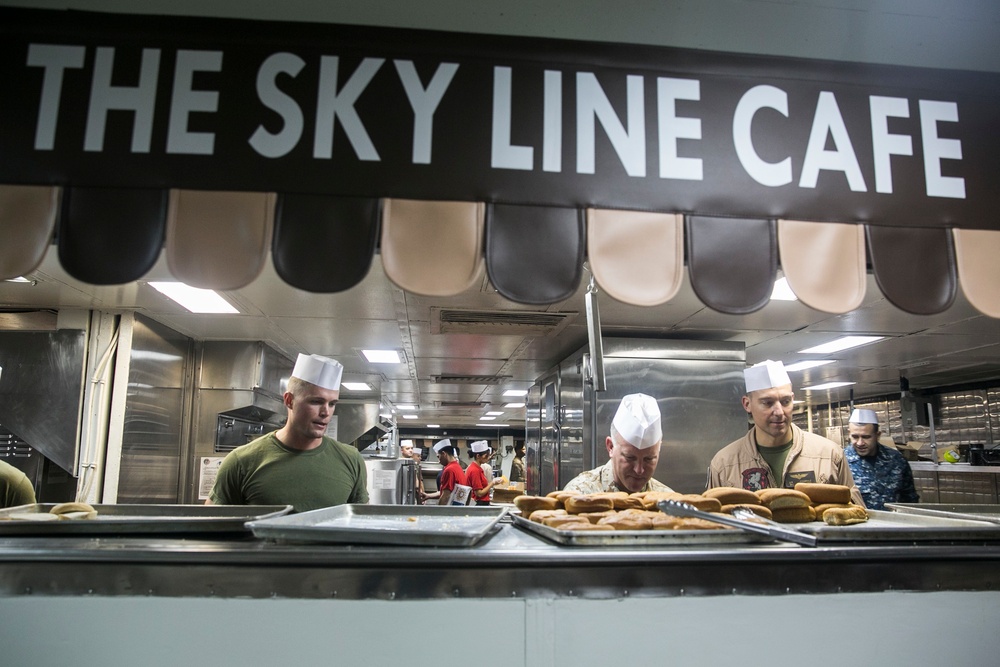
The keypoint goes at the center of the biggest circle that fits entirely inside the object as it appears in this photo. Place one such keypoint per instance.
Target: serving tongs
(758, 525)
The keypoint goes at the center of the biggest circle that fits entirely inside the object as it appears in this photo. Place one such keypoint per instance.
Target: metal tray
(142, 519)
(412, 525)
(989, 513)
(629, 538)
(885, 526)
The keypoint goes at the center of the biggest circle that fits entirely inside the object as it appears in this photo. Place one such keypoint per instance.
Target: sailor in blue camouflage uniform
(882, 474)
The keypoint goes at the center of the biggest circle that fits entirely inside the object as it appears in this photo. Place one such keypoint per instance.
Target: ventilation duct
(499, 322)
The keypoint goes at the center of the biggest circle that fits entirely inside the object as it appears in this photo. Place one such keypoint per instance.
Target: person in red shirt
(481, 486)
(452, 474)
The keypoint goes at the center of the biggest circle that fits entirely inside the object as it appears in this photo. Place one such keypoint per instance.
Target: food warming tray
(885, 526)
(412, 525)
(989, 513)
(629, 538)
(141, 519)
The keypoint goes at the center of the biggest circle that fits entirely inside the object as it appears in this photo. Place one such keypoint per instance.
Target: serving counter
(246, 600)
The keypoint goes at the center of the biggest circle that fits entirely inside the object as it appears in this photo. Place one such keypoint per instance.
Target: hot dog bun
(730, 495)
(803, 514)
(825, 493)
(759, 510)
(528, 504)
(845, 516)
(588, 503)
(701, 502)
(780, 498)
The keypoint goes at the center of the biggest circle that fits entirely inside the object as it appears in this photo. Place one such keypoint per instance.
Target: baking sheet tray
(885, 526)
(142, 519)
(412, 525)
(630, 538)
(989, 513)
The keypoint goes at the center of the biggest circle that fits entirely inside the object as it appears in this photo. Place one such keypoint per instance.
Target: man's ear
(746, 403)
(288, 397)
(610, 444)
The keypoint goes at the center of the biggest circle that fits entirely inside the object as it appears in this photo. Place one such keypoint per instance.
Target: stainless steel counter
(956, 483)
(509, 563)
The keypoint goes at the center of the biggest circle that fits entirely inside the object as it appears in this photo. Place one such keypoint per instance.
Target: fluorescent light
(434, 426)
(495, 414)
(803, 365)
(486, 419)
(533, 419)
(782, 292)
(19, 279)
(514, 405)
(406, 407)
(381, 356)
(516, 392)
(409, 416)
(491, 425)
(843, 343)
(828, 385)
(356, 386)
(194, 299)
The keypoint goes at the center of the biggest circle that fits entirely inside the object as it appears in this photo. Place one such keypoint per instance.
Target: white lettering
(282, 143)
(759, 97)
(937, 149)
(829, 121)
(503, 154)
(552, 127)
(424, 103)
(333, 105)
(55, 60)
(884, 145)
(591, 103)
(185, 100)
(672, 128)
(104, 97)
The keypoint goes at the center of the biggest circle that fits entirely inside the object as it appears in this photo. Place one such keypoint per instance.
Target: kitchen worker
(298, 464)
(775, 452)
(406, 449)
(633, 451)
(481, 483)
(15, 487)
(517, 465)
(452, 474)
(882, 474)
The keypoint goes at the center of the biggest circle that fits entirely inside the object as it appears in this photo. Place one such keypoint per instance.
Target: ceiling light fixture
(434, 426)
(513, 405)
(516, 392)
(409, 416)
(19, 279)
(495, 414)
(803, 365)
(492, 425)
(827, 385)
(842, 343)
(782, 292)
(486, 419)
(381, 356)
(406, 407)
(356, 386)
(194, 299)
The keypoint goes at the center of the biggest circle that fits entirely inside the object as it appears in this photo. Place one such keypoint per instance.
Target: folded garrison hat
(318, 370)
(765, 375)
(862, 416)
(638, 421)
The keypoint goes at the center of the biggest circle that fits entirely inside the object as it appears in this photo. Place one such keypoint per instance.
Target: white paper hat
(862, 416)
(405, 443)
(765, 375)
(418, 450)
(321, 371)
(441, 444)
(638, 421)
(479, 446)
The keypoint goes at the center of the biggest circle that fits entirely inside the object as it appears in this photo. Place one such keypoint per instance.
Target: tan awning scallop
(27, 223)
(824, 263)
(977, 256)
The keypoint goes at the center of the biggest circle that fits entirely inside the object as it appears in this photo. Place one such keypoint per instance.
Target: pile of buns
(62, 511)
(567, 510)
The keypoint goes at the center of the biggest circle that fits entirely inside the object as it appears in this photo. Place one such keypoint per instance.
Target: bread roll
(781, 498)
(540, 515)
(701, 502)
(845, 516)
(825, 493)
(730, 495)
(759, 510)
(561, 496)
(63, 508)
(651, 498)
(627, 522)
(825, 506)
(665, 522)
(586, 525)
(691, 523)
(557, 521)
(589, 503)
(803, 514)
(628, 502)
(594, 517)
(528, 504)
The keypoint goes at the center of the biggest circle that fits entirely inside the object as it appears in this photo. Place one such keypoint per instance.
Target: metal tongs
(759, 524)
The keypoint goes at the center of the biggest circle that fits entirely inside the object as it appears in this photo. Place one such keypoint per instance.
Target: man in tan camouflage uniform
(633, 451)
